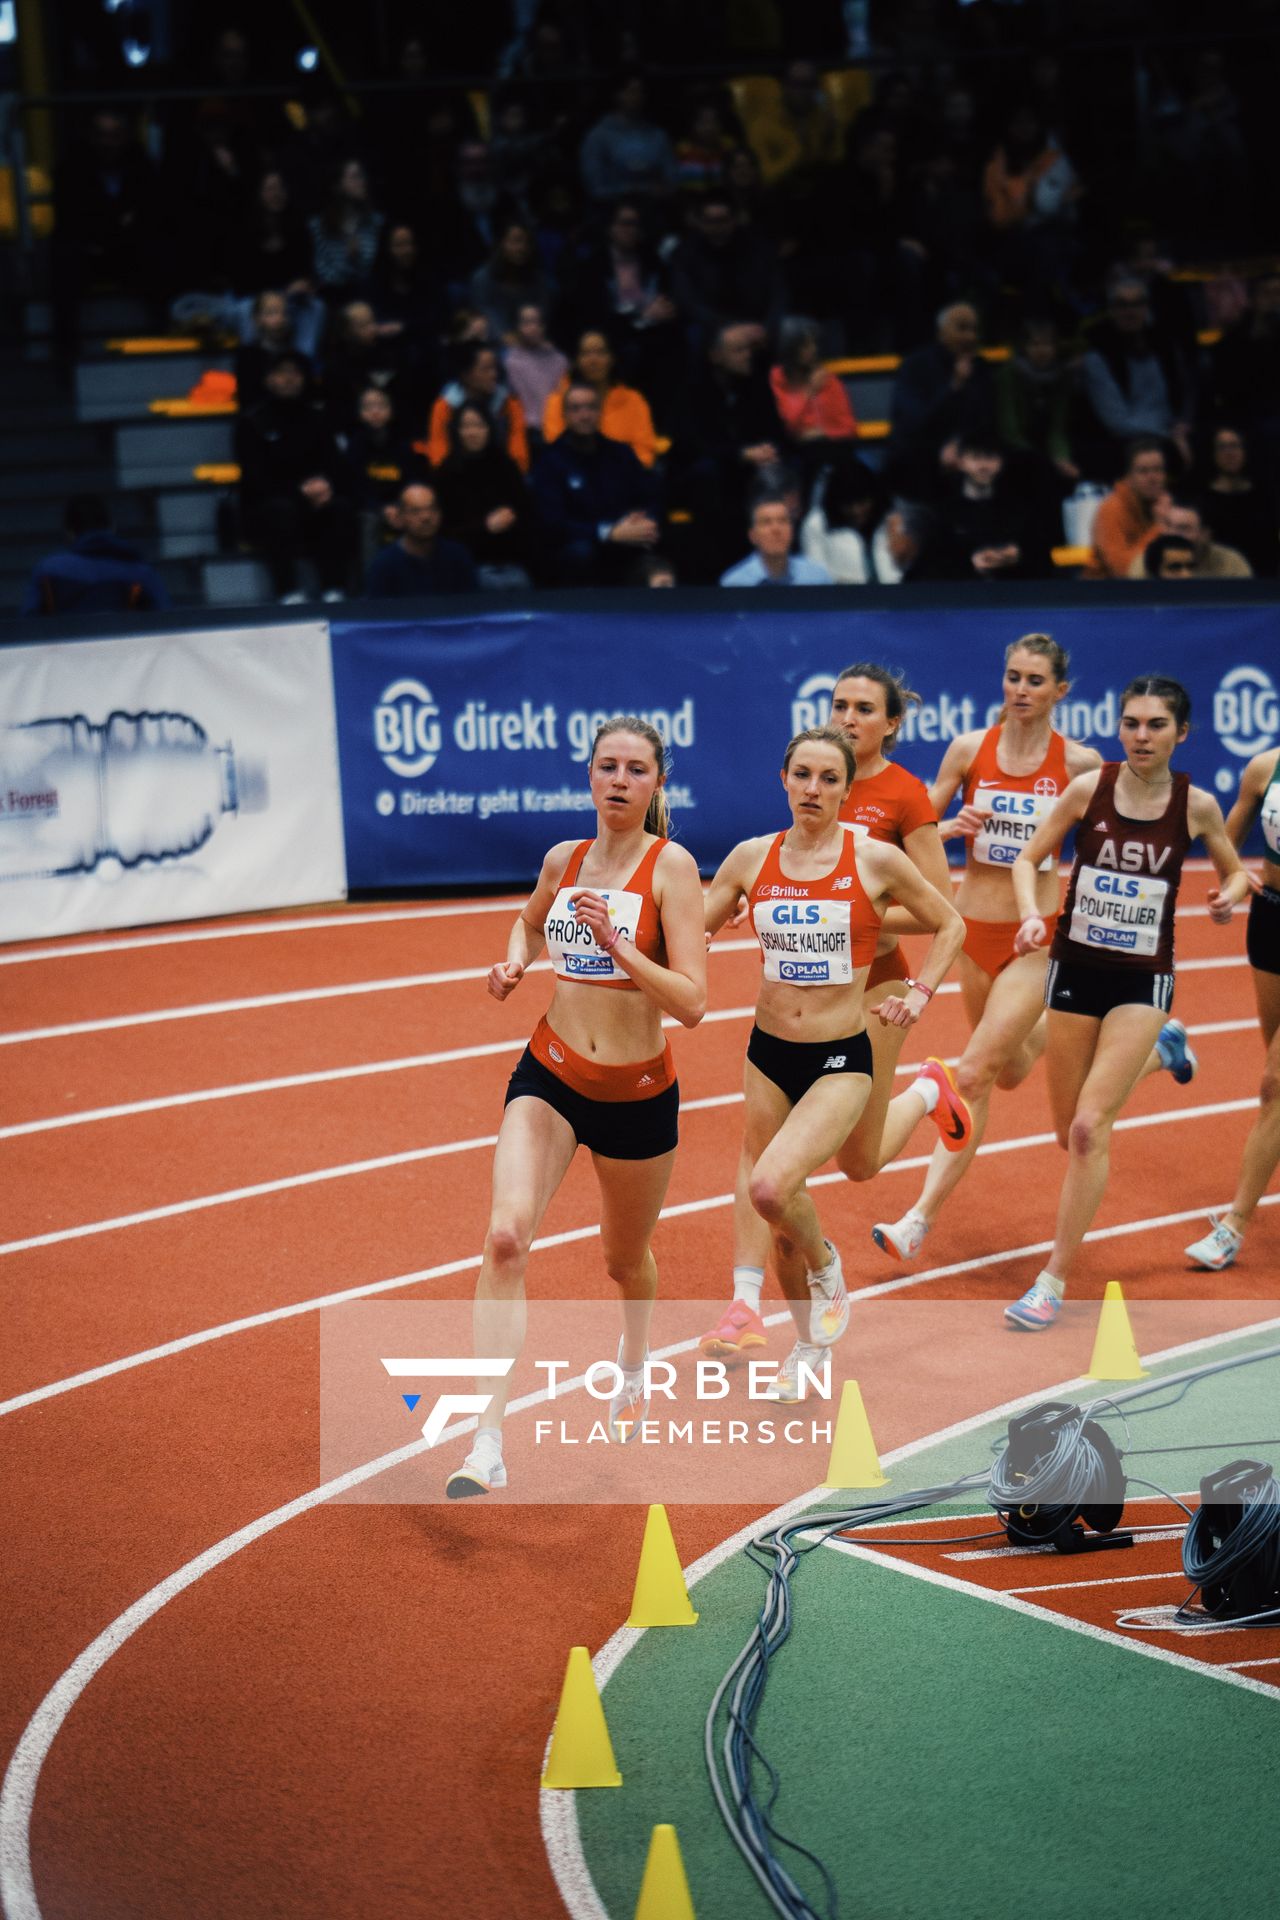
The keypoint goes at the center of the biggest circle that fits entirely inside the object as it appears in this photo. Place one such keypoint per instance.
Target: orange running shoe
(738, 1328)
(951, 1116)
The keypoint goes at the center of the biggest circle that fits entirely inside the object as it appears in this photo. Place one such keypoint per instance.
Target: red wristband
(920, 987)
(612, 941)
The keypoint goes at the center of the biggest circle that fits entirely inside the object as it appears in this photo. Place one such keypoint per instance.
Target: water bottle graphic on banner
(137, 787)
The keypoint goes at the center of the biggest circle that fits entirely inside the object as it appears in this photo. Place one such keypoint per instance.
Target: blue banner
(464, 743)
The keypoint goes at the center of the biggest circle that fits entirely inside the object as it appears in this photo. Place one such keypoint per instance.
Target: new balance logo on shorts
(834, 1062)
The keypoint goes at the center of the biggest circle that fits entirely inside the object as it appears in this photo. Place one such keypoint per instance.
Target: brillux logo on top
(409, 729)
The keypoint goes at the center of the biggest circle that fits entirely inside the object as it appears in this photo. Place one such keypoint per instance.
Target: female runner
(1259, 787)
(1010, 774)
(868, 704)
(621, 918)
(818, 895)
(1110, 977)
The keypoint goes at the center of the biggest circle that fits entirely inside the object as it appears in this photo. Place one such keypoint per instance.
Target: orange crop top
(571, 946)
(813, 933)
(1016, 802)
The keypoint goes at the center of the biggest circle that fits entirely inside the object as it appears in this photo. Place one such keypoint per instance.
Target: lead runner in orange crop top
(868, 705)
(621, 917)
(1011, 775)
(818, 895)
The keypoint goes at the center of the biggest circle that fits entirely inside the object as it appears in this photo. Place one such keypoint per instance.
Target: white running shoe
(829, 1314)
(904, 1238)
(1218, 1248)
(787, 1387)
(630, 1405)
(481, 1471)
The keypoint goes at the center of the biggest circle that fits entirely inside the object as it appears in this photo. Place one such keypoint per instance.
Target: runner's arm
(950, 777)
(526, 940)
(1204, 819)
(679, 988)
(1253, 784)
(923, 847)
(1046, 839)
(888, 873)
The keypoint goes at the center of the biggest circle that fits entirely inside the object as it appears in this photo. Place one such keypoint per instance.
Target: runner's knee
(1088, 1132)
(507, 1245)
(768, 1196)
(1269, 1088)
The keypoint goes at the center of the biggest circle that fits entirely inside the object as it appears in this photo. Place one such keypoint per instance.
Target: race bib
(571, 945)
(1271, 819)
(1014, 818)
(806, 943)
(1118, 912)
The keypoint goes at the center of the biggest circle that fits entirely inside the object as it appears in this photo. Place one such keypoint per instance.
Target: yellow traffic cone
(664, 1891)
(854, 1460)
(581, 1750)
(1115, 1357)
(661, 1598)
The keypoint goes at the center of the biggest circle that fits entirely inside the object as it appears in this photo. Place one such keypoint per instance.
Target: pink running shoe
(951, 1116)
(738, 1328)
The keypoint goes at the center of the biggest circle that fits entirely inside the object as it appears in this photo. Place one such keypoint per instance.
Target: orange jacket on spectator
(509, 428)
(625, 416)
(1122, 527)
(1010, 196)
(802, 411)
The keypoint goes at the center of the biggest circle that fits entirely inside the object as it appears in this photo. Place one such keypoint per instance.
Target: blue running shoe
(1176, 1057)
(1037, 1310)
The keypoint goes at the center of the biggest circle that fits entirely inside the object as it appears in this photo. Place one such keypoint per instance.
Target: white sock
(1045, 1279)
(747, 1283)
(928, 1091)
(492, 1434)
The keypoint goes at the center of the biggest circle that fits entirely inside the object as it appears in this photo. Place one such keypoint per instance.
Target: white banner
(167, 777)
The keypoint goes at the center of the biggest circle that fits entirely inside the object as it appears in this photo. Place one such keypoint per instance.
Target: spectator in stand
(625, 153)
(1125, 522)
(941, 392)
(272, 331)
(916, 542)
(521, 152)
(703, 149)
(771, 530)
(466, 229)
(1033, 400)
(598, 506)
(723, 272)
(271, 247)
(1183, 516)
(344, 238)
(110, 227)
(1242, 510)
(1030, 192)
(622, 285)
(534, 367)
(421, 561)
(1170, 556)
(1246, 375)
(364, 354)
(813, 407)
(484, 501)
(794, 133)
(1135, 379)
(845, 529)
(381, 461)
(988, 520)
(408, 300)
(96, 572)
(729, 434)
(294, 485)
(510, 279)
(624, 413)
(479, 380)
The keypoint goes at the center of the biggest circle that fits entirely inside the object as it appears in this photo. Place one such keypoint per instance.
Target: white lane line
(1013, 1603)
(1254, 1663)
(1002, 1553)
(352, 1169)
(561, 1834)
(251, 1003)
(470, 1263)
(408, 1063)
(1115, 1580)
(255, 1002)
(69, 949)
(248, 930)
